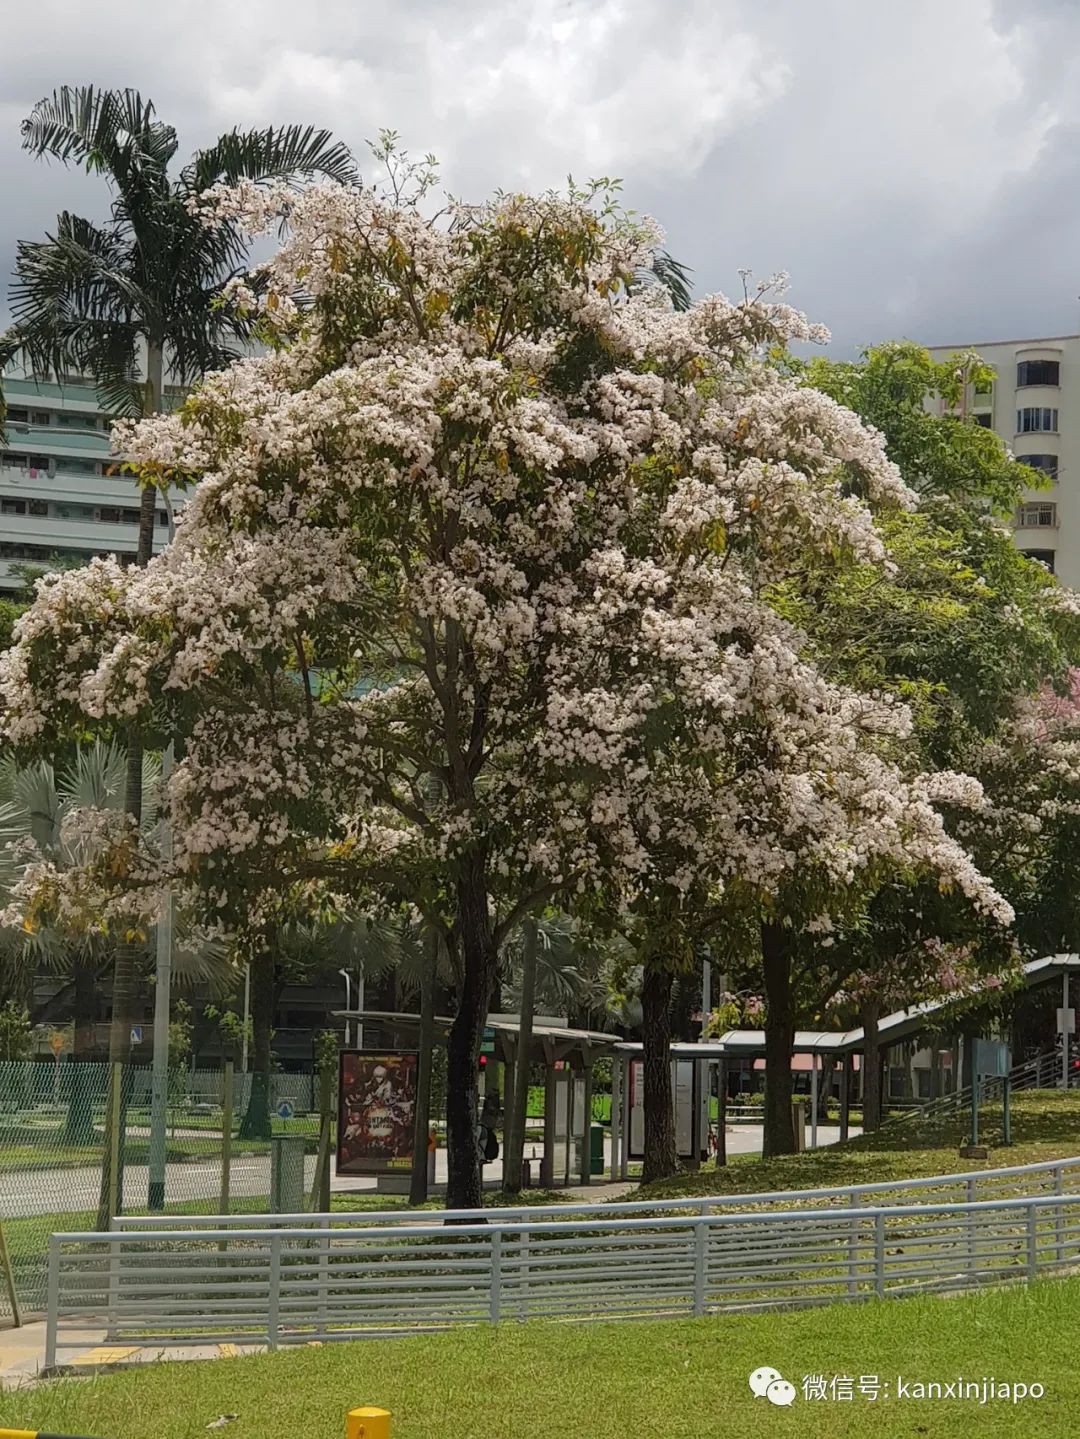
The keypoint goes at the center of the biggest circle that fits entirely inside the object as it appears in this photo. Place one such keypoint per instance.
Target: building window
(1048, 464)
(985, 420)
(78, 467)
(1035, 418)
(18, 416)
(1037, 372)
(13, 507)
(114, 515)
(1037, 515)
(1044, 557)
(39, 507)
(41, 417)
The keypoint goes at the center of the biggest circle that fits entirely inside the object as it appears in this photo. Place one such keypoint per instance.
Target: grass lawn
(1045, 1125)
(683, 1379)
(44, 1147)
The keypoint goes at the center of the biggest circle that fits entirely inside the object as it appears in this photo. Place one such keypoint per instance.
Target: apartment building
(62, 500)
(1028, 405)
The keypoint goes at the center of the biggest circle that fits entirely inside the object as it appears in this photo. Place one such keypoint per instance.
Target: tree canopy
(476, 597)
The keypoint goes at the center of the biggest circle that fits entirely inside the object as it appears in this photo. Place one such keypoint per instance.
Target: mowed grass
(39, 1148)
(683, 1379)
(1045, 1125)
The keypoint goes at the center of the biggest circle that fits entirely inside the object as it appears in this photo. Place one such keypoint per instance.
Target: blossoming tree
(966, 631)
(472, 597)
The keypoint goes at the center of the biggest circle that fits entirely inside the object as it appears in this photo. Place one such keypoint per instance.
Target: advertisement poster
(683, 1087)
(376, 1106)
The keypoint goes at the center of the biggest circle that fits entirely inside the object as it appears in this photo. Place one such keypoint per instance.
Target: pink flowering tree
(471, 600)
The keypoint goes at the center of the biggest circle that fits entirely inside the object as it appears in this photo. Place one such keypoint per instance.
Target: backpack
(491, 1145)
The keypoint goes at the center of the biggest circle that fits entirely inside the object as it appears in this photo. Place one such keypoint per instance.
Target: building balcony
(68, 397)
(68, 489)
(57, 440)
(93, 536)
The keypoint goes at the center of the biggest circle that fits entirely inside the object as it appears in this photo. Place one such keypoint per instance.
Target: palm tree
(145, 286)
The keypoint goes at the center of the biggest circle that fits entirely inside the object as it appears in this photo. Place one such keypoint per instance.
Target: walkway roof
(902, 1024)
(553, 1040)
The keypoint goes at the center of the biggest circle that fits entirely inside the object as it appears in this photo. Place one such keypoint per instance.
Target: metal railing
(291, 1285)
(1042, 1072)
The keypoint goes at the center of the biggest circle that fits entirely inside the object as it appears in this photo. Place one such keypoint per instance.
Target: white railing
(1042, 1072)
(282, 1285)
(1052, 1176)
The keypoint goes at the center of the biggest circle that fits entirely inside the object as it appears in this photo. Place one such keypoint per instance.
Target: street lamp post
(355, 1027)
(360, 1008)
(159, 1086)
(347, 977)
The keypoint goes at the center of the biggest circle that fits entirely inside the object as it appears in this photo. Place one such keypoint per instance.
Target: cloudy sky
(914, 166)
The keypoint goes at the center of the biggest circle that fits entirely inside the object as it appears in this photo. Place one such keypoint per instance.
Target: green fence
(55, 1147)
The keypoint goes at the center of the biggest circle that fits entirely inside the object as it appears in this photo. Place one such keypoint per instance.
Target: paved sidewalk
(22, 1354)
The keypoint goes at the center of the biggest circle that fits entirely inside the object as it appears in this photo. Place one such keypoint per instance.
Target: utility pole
(247, 1011)
(159, 1091)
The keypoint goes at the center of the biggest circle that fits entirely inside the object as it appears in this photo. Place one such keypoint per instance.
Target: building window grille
(1036, 417)
(1038, 515)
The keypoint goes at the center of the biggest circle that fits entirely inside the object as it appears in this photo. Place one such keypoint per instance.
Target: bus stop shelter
(567, 1056)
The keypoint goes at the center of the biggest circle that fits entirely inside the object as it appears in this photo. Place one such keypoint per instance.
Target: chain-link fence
(56, 1143)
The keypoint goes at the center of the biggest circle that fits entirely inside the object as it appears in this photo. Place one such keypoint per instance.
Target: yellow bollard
(367, 1424)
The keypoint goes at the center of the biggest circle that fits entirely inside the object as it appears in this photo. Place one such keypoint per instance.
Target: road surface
(26, 1192)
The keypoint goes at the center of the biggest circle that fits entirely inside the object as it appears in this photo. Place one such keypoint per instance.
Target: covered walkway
(895, 1028)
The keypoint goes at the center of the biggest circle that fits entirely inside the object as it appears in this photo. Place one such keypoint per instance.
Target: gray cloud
(912, 166)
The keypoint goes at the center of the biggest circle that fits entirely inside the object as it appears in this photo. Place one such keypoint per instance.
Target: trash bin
(287, 1174)
(596, 1149)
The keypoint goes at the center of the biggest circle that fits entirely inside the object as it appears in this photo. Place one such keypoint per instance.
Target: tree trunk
(125, 970)
(256, 1121)
(871, 1059)
(779, 1135)
(79, 1127)
(661, 1159)
(479, 959)
(418, 1183)
(517, 1113)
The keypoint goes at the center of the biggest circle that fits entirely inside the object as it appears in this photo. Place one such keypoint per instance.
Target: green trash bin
(596, 1149)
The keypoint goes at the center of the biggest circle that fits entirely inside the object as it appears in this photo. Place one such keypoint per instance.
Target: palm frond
(85, 267)
(104, 130)
(207, 963)
(673, 275)
(270, 154)
(76, 299)
(120, 395)
(36, 796)
(94, 779)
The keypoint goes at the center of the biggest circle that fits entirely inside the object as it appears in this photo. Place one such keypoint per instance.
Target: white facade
(1034, 405)
(58, 500)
